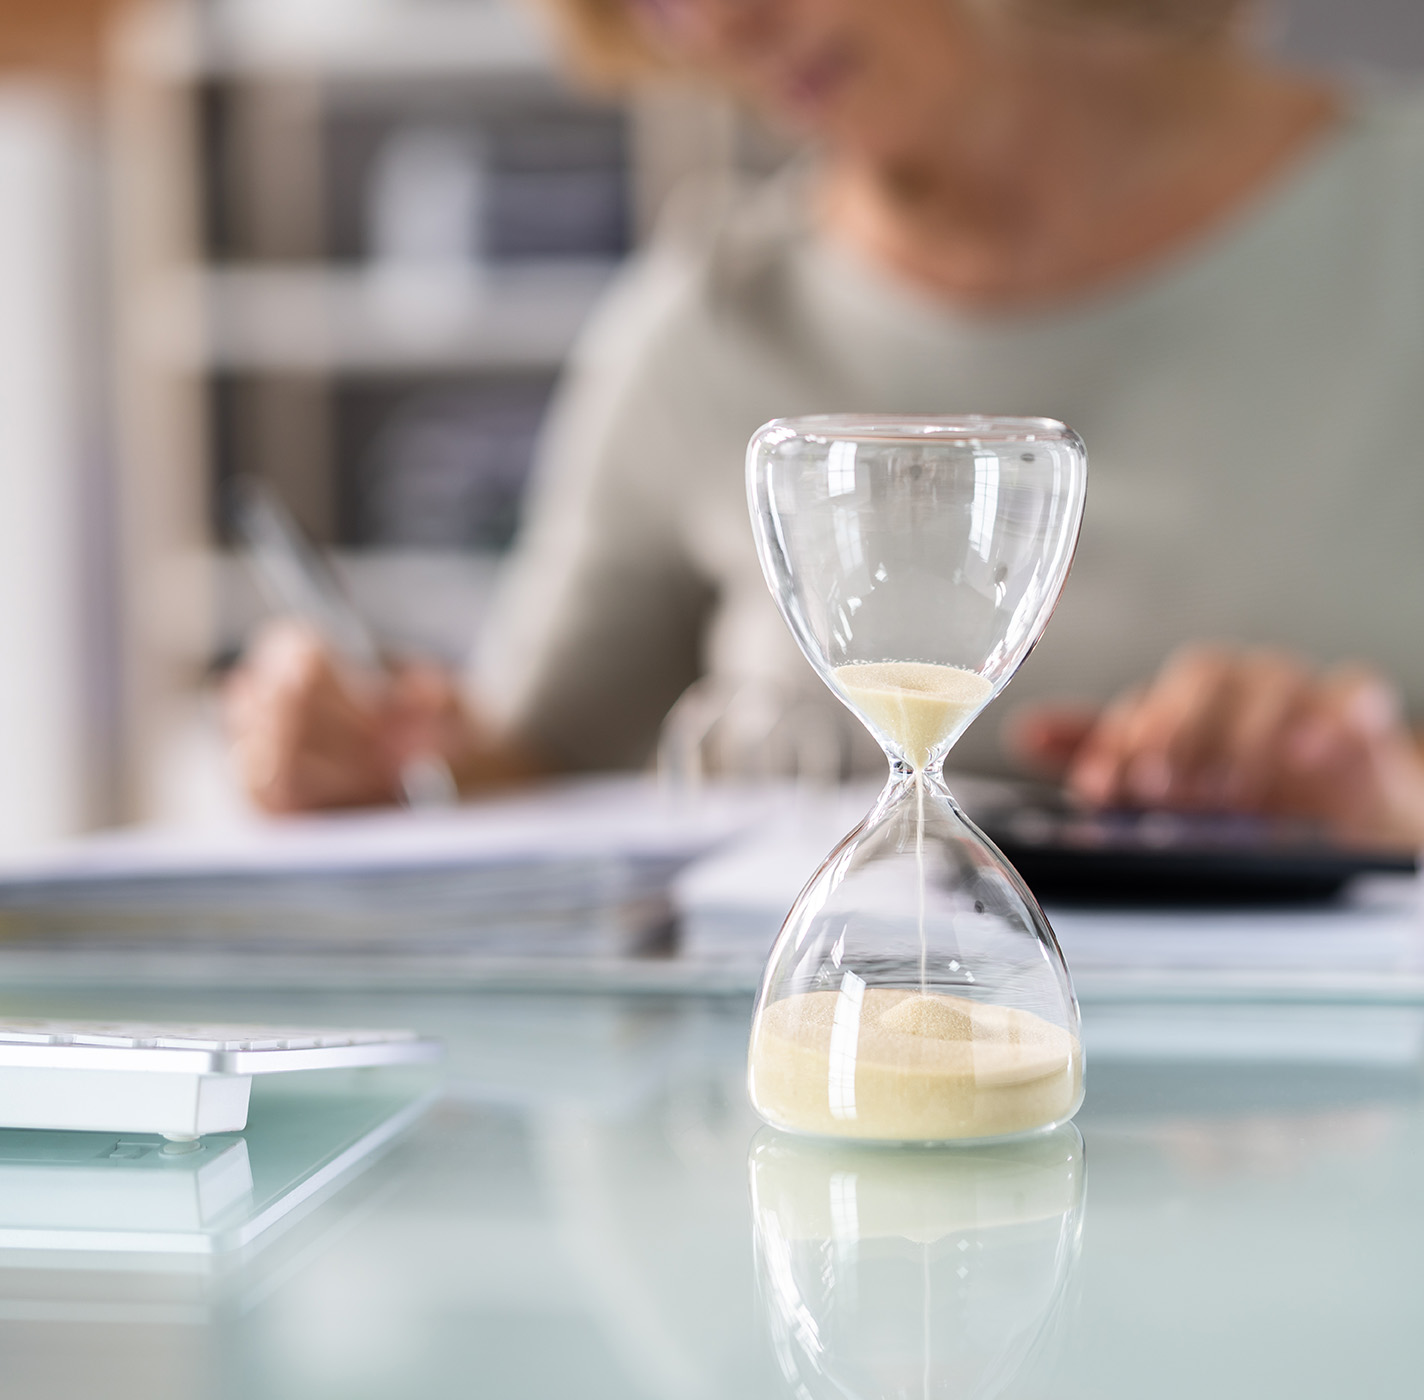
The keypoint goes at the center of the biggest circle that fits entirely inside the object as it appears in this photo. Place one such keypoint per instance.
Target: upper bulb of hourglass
(915, 708)
(916, 990)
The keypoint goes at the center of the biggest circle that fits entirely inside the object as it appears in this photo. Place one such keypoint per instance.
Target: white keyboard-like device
(181, 1082)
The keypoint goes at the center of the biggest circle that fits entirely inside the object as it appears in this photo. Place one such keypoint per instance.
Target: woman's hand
(309, 733)
(1226, 729)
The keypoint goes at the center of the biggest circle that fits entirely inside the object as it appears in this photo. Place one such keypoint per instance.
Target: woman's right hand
(308, 732)
(304, 734)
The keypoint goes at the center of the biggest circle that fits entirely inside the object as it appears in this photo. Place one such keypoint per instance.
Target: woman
(1108, 211)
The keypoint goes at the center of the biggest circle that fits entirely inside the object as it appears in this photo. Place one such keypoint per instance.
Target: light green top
(1250, 405)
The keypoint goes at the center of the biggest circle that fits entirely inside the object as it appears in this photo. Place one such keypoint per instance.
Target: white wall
(47, 745)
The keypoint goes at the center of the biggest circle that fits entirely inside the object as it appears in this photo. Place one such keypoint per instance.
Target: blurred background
(341, 245)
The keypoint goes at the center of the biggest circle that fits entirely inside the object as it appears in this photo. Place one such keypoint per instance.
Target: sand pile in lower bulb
(899, 1065)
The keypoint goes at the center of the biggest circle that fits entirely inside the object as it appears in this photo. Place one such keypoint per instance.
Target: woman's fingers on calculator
(1099, 767)
(1189, 739)
(1265, 694)
(1180, 736)
(1047, 737)
(1350, 759)
(1237, 729)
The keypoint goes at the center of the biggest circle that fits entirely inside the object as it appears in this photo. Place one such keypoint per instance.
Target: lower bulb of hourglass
(916, 992)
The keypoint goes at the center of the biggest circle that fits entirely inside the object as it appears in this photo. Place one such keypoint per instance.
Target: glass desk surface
(589, 1207)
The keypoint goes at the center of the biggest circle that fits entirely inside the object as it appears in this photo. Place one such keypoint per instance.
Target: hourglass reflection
(916, 991)
(925, 1273)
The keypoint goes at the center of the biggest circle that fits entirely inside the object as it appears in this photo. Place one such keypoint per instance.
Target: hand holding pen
(307, 734)
(319, 718)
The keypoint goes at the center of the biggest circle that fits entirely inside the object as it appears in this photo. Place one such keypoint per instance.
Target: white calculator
(178, 1081)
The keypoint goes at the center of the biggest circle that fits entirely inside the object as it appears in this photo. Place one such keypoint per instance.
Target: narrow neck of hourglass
(902, 770)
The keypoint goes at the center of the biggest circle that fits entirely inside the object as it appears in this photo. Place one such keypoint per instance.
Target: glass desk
(589, 1208)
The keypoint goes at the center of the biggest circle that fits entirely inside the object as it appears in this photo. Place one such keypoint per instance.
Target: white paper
(558, 823)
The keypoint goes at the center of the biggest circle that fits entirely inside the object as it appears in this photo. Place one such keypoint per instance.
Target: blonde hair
(607, 45)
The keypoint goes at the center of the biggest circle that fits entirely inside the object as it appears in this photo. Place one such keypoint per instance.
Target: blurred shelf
(357, 41)
(267, 322)
(509, 316)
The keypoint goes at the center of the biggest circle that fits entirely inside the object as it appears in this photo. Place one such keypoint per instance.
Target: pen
(297, 578)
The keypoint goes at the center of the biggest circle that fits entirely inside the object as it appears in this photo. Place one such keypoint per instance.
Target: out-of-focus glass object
(925, 1273)
(750, 729)
(916, 991)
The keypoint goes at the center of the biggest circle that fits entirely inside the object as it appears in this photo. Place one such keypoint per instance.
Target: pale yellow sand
(920, 706)
(910, 1066)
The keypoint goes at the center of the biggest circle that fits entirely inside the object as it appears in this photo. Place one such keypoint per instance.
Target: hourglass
(916, 991)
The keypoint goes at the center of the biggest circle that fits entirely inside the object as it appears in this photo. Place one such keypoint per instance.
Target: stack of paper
(567, 881)
(576, 868)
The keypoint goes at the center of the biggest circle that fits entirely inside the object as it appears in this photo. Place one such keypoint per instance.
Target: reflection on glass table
(102, 1191)
(575, 1218)
(920, 1272)
(99, 1228)
(137, 1194)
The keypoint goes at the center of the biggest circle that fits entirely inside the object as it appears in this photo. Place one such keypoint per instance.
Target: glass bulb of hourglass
(916, 991)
